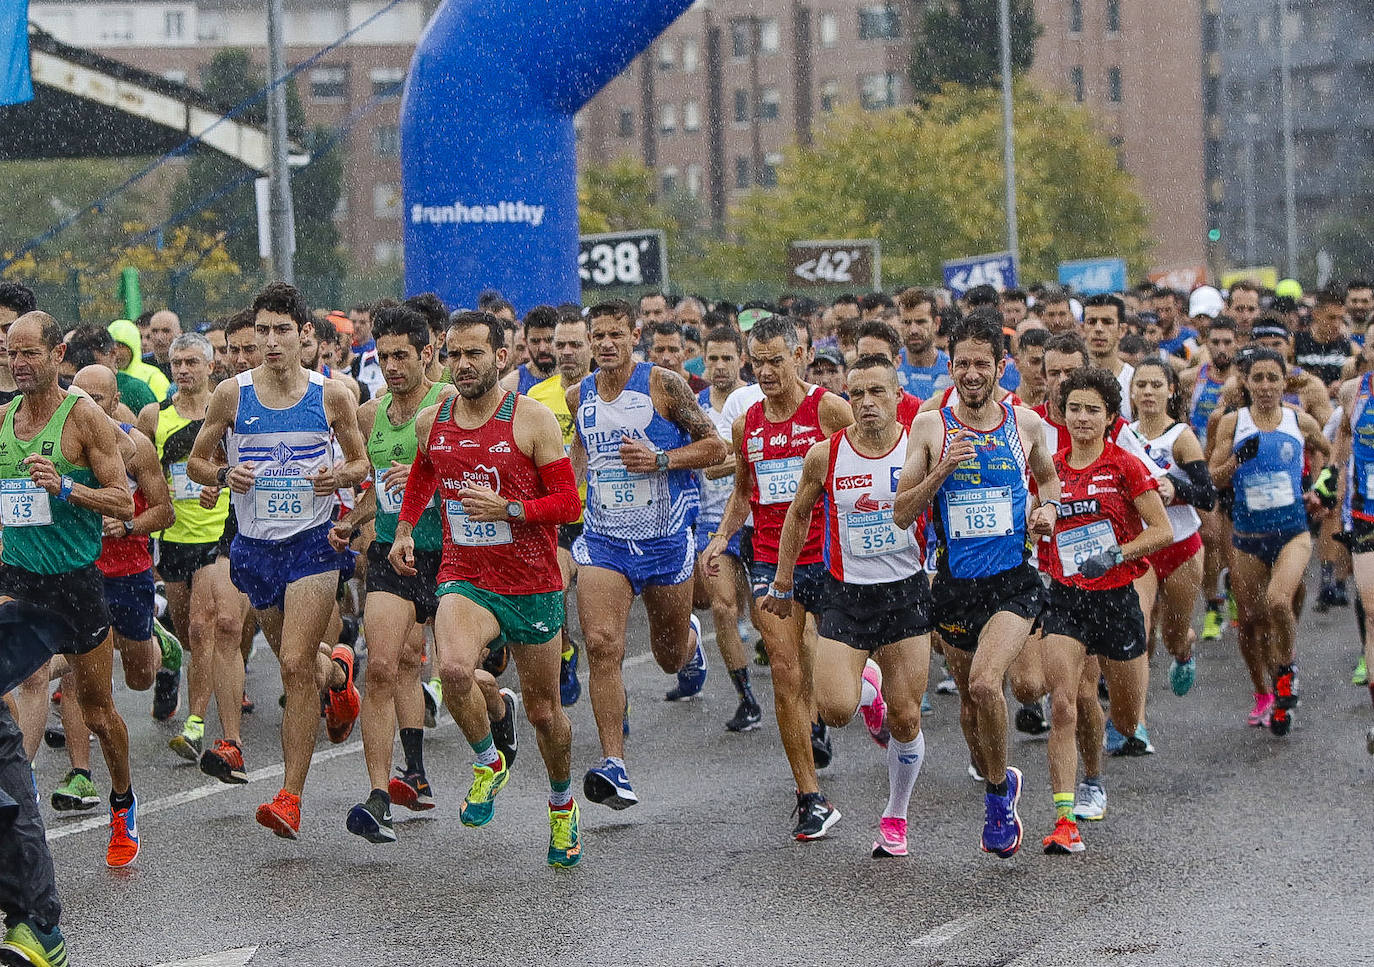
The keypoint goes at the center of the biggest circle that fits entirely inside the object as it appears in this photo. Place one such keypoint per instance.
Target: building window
(741, 37)
(1114, 84)
(116, 26)
(387, 253)
(625, 125)
(878, 91)
(741, 106)
(174, 24)
(742, 172)
(770, 38)
(879, 21)
(691, 55)
(386, 141)
(1075, 16)
(1118, 145)
(669, 181)
(1113, 15)
(386, 200)
(329, 83)
(830, 96)
(769, 174)
(1076, 83)
(667, 56)
(770, 104)
(829, 29)
(694, 180)
(667, 119)
(212, 25)
(691, 116)
(387, 81)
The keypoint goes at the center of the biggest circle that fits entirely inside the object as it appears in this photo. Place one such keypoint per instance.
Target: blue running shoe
(1181, 676)
(372, 820)
(609, 785)
(1002, 827)
(1113, 741)
(692, 678)
(569, 688)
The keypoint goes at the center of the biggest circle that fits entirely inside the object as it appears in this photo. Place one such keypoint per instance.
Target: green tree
(39, 194)
(959, 41)
(928, 182)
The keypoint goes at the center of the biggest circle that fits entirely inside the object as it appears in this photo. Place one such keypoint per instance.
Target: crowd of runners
(1032, 490)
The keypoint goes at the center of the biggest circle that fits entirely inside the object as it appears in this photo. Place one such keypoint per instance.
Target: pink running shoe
(875, 715)
(1259, 715)
(891, 839)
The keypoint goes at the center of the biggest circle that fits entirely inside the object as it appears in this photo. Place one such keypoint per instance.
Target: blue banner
(1093, 276)
(16, 83)
(997, 269)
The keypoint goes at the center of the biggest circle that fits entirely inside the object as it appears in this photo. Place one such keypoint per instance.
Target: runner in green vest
(60, 473)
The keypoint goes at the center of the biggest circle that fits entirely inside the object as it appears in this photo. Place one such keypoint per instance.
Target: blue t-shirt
(925, 381)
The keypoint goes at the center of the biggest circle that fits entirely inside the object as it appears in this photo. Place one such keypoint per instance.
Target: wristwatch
(514, 509)
(222, 475)
(128, 528)
(662, 460)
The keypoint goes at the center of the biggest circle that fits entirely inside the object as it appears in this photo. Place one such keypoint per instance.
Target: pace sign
(616, 259)
(1093, 276)
(997, 269)
(850, 262)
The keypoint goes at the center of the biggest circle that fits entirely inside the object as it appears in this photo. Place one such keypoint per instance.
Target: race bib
(619, 490)
(984, 512)
(388, 501)
(713, 491)
(283, 499)
(1269, 491)
(1078, 544)
(873, 534)
(23, 504)
(467, 532)
(183, 487)
(778, 479)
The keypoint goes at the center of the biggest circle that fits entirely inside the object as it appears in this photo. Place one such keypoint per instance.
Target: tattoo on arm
(686, 411)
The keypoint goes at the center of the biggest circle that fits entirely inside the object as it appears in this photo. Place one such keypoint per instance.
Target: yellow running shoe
(487, 781)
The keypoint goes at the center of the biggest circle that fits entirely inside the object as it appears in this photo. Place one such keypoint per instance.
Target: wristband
(1056, 504)
(222, 475)
(64, 492)
(773, 592)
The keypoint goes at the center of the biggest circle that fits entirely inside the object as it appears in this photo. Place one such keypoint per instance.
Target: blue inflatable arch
(488, 154)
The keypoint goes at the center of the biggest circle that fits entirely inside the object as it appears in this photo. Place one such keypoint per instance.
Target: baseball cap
(749, 318)
(1205, 301)
(1290, 288)
(341, 322)
(828, 354)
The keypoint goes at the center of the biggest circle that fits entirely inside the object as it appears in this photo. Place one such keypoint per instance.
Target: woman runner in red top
(1110, 518)
(505, 484)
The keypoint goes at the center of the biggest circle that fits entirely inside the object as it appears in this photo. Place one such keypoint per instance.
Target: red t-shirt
(907, 408)
(774, 453)
(1102, 493)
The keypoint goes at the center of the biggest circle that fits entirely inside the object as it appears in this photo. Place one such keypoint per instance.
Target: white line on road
(945, 932)
(226, 958)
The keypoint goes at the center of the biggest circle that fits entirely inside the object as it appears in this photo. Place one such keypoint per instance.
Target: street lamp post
(279, 176)
(1008, 148)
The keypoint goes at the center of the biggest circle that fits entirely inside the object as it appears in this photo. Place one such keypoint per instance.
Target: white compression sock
(903, 766)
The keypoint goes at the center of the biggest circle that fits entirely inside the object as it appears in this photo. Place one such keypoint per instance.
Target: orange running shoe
(1065, 838)
(282, 815)
(123, 848)
(224, 761)
(343, 704)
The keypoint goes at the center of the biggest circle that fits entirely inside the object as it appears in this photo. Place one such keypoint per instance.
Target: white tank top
(1183, 518)
(862, 543)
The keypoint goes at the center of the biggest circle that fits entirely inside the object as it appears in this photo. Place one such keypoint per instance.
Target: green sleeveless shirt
(390, 442)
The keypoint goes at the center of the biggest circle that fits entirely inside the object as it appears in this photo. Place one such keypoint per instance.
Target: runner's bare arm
(1222, 463)
(201, 465)
(1038, 457)
(342, 410)
(147, 472)
(1157, 535)
(147, 420)
(810, 489)
(421, 482)
(835, 414)
(578, 453)
(916, 486)
(674, 399)
(1344, 440)
(1315, 436)
(99, 439)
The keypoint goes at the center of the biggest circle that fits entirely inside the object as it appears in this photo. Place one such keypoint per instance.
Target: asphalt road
(1229, 846)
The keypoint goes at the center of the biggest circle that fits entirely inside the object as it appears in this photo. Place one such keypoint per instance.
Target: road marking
(945, 932)
(238, 957)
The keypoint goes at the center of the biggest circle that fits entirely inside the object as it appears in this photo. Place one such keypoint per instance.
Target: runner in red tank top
(504, 486)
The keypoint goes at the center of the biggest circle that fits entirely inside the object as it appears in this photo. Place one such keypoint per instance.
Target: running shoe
(565, 836)
(1030, 719)
(875, 715)
(282, 815)
(1090, 802)
(926, 707)
(1285, 700)
(503, 731)
(747, 717)
(74, 792)
(814, 815)
(691, 679)
(947, 685)
(1211, 624)
(609, 785)
(1002, 825)
(821, 750)
(169, 645)
(1259, 715)
(1065, 839)
(1182, 676)
(123, 848)
(191, 740)
(372, 820)
(431, 705)
(344, 703)
(247, 706)
(410, 790)
(891, 839)
(24, 943)
(496, 659)
(761, 654)
(166, 694)
(625, 718)
(54, 734)
(436, 685)
(1341, 595)
(1326, 597)
(569, 688)
(224, 761)
(746, 630)
(974, 774)
(1135, 745)
(1369, 740)
(1112, 739)
(1361, 673)
(487, 781)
